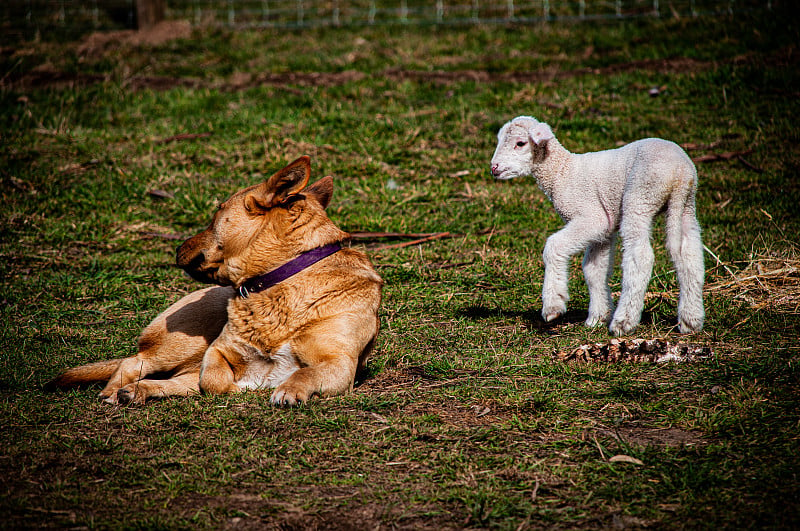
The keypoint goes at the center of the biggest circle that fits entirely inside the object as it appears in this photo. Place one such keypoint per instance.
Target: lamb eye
(521, 143)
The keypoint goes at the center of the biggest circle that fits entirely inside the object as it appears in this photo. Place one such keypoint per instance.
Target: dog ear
(540, 133)
(321, 190)
(285, 183)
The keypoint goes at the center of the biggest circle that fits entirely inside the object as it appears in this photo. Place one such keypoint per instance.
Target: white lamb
(601, 193)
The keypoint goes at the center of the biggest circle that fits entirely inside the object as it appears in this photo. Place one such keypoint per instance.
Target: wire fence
(307, 13)
(54, 19)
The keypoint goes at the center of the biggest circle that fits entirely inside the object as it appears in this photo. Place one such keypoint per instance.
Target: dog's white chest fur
(268, 372)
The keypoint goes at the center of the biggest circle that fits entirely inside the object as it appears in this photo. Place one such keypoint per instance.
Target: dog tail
(98, 372)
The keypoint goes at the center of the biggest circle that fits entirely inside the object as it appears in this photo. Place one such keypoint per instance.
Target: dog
(295, 309)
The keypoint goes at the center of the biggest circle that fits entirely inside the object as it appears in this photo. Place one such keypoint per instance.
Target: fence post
(265, 12)
(149, 13)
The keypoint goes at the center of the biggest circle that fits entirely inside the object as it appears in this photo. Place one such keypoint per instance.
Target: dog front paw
(130, 395)
(289, 395)
(109, 399)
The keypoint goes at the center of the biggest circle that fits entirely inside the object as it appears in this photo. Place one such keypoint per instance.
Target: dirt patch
(96, 44)
(549, 74)
(632, 433)
(450, 412)
(243, 81)
(47, 77)
(253, 511)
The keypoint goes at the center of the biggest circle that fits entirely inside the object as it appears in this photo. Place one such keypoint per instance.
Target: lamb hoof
(552, 312)
(690, 326)
(593, 321)
(551, 316)
(622, 327)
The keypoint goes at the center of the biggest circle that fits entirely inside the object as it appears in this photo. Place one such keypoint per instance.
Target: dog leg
(129, 371)
(175, 340)
(598, 266)
(184, 384)
(217, 370)
(558, 250)
(329, 353)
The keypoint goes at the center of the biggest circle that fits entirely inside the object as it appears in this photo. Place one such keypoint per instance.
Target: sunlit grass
(464, 418)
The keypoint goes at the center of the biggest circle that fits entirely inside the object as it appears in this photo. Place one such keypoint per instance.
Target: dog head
(261, 227)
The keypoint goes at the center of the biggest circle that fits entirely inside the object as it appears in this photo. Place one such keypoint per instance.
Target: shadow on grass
(533, 318)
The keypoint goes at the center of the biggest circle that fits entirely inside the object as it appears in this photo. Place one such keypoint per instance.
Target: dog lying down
(295, 309)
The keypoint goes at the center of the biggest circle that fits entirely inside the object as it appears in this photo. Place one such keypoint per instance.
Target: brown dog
(294, 311)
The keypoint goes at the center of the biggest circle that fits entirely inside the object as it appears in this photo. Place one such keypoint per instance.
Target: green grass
(464, 419)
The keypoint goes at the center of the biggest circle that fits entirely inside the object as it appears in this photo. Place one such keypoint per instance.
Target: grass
(465, 420)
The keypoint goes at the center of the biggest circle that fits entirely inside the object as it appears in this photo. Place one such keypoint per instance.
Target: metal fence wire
(37, 18)
(308, 13)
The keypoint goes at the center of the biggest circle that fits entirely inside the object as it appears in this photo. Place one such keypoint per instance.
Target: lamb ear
(285, 183)
(321, 190)
(540, 133)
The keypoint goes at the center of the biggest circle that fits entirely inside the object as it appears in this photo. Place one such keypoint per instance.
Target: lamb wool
(599, 195)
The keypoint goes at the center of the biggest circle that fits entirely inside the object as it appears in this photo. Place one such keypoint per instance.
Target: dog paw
(109, 396)
(112, 399)
(125, 396)
(289, 396)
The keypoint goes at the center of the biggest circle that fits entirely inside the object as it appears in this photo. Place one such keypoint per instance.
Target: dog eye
(521, 143)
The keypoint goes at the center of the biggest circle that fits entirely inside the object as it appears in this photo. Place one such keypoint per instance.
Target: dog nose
(187, 259)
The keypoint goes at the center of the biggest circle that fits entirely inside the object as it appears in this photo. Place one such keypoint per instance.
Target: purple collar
(292, 267)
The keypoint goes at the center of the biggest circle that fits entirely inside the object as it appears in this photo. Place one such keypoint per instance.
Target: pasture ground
(114, 149)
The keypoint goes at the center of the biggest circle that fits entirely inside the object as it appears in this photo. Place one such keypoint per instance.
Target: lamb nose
(494, 169)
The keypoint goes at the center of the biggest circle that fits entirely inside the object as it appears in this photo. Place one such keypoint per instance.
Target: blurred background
(68, 19)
